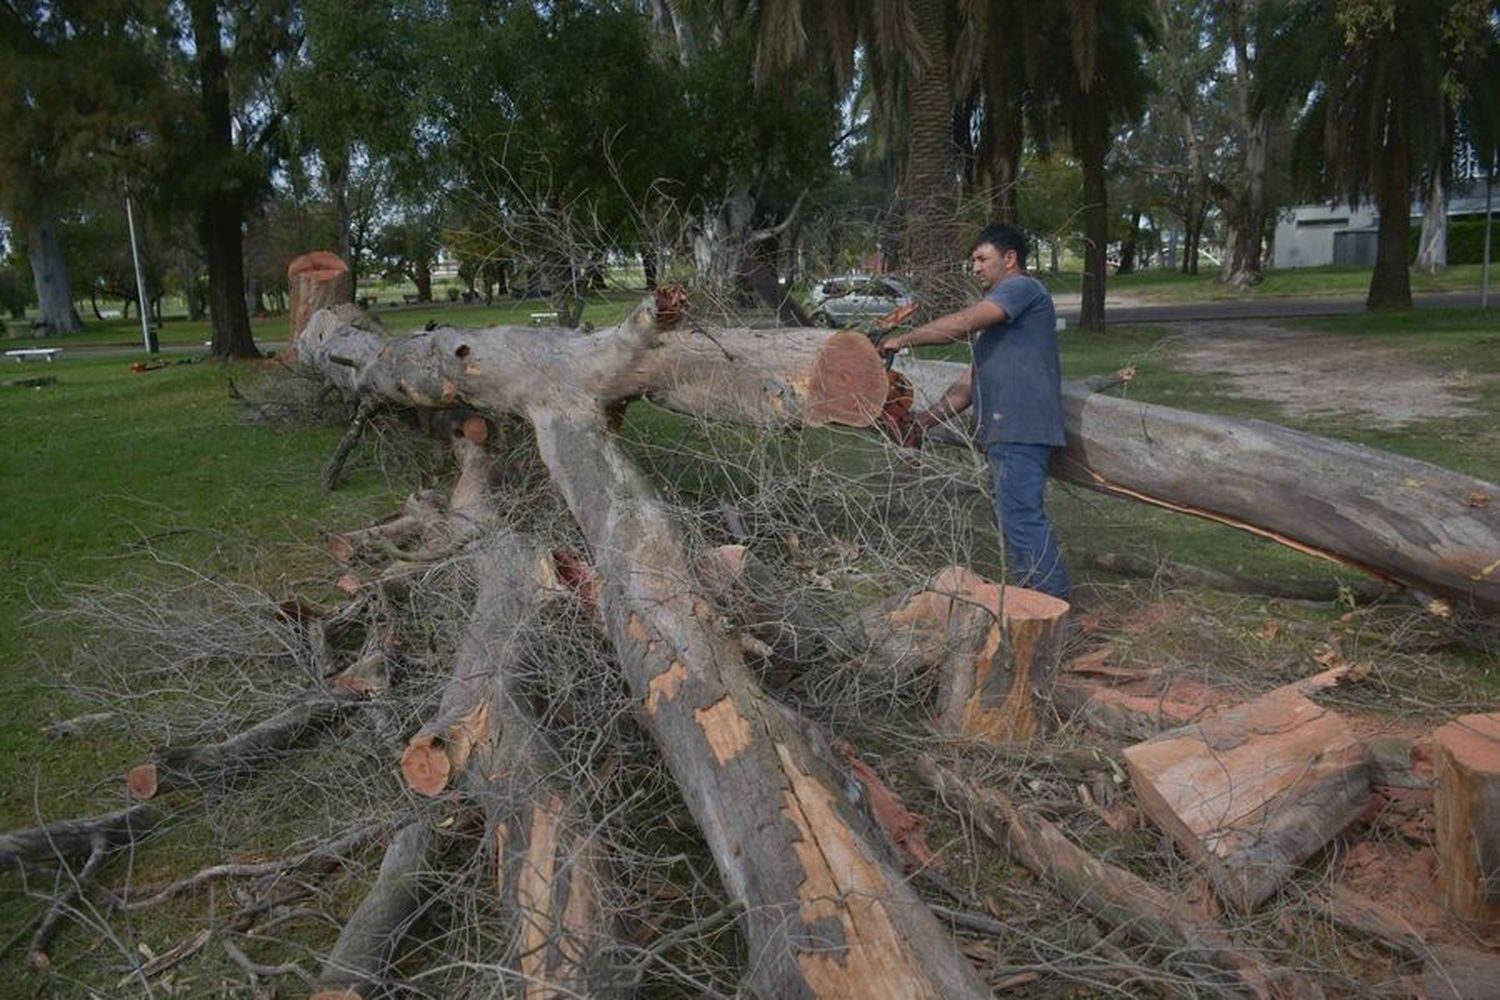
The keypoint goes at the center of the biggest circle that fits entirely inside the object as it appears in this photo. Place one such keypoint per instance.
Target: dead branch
(65, 839)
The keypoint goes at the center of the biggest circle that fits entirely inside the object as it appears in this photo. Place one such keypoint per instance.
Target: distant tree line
(743, 140)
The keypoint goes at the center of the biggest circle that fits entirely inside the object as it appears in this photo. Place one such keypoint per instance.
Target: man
(1015, 385)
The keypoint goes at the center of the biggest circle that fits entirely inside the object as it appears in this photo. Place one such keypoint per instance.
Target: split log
(1252, 791)
(1393, 517)
(73, 838)
(1113, 895)
(826, 914)
(315, 281)
(1466, 809)
(1001, 695)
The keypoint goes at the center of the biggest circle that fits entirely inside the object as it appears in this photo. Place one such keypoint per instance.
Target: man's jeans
(1019, 474)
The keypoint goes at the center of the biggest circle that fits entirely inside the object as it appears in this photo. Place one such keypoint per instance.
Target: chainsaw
(895, 415)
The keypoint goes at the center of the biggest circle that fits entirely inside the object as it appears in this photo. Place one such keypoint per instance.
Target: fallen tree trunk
(1397, 518)
(65, 839)
(826, 914)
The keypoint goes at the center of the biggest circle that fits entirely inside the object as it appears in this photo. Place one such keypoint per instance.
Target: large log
(826, 913)
(1394, 517)
(1254, 790)
(1466, 810)
(764, 378)
(315, 281)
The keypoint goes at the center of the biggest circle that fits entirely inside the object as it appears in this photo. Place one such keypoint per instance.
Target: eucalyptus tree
(76, 84)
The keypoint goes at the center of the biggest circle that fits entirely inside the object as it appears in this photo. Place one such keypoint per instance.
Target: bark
(221, 215)
(1252, 791)
(49, 272)
(1390, 283)
(1396, 518)
(1001, 693)
(1454, 973)
(1116, 897)
(314, 281)
(368, 941)
(930, 243)
(421, 276)
(195, 766)
(68, 839)
(1466, 808)
(825, 913)
(1432, 242)
(1091, 142)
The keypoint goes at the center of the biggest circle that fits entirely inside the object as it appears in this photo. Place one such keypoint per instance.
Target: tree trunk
(49, 272)
(1128, 247)
(1432, 243)
(1466, 810)
(825, 913)
(1397, 518)
(1091, 142)
(1390, 283)
(221, 215)
(648, 267)
(421, 276)
(315, 280)
(187, 273)
(930, 244)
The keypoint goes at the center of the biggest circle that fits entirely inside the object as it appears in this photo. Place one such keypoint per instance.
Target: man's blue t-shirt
(1017, 380)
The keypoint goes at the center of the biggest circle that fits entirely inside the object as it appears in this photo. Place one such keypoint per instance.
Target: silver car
(854, 299)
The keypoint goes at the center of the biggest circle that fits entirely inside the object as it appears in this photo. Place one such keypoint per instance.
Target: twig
(37, 953)
(256, 970)
(351, 438)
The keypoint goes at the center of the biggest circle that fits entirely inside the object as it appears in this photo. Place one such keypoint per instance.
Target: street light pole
(140, 280)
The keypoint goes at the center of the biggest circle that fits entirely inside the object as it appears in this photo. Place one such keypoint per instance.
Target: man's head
(997, 252)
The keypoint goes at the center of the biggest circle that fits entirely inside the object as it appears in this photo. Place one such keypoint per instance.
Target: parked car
(853, 299)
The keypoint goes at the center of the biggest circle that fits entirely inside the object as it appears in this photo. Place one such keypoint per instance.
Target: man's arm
(946, 329)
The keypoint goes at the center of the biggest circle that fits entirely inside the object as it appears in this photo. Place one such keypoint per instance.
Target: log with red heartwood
(1466, 807)
(1252, 791)
(1394, 517)
(314, 281)
(1001, 693)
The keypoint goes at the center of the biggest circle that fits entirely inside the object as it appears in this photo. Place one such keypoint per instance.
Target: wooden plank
(1252, 791)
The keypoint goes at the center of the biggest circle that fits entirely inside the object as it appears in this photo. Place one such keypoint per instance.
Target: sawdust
(1308, 373)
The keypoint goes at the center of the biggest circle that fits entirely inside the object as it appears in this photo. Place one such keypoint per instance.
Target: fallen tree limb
(58, 908)
(1393, 517)
(825, 914)
(1114, 896)
(73, 838)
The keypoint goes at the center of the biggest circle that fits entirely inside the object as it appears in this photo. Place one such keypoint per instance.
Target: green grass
(110, 477)
(1165, 285)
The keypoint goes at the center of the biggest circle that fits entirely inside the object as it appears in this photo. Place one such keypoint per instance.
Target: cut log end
(1466, 808)
(848, 384)
(425, 766)
(475, 429)
(142, 782)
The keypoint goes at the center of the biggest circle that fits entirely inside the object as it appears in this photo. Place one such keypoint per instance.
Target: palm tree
(1373, 76)
(1086, 61)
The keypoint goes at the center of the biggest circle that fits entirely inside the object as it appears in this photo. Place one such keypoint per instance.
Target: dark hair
(1003, 236)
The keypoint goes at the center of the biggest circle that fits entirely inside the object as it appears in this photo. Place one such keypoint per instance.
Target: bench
(544, 319)
(23, 353)
(411, 298)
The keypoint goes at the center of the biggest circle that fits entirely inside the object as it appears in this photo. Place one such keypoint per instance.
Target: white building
(1319, 235)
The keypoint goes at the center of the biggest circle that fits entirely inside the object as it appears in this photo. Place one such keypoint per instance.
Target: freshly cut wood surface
(314, 281)
(1252, 791)
(1466, 808)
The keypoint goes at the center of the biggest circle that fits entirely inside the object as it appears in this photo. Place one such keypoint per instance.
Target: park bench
(25, 353)
(543, 319)
(411, 298)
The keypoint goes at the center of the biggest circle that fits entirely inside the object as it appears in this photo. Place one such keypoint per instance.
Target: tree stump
(1000, 694)
(314, 280)
(1252, 791)
(1467, 812)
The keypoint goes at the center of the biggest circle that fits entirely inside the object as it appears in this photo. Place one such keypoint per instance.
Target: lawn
(118, 481)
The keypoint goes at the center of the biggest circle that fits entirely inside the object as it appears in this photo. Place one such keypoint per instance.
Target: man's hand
(891, 343)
